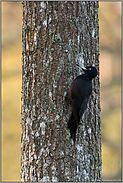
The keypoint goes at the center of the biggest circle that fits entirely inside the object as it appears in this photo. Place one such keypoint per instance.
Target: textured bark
(56, 36)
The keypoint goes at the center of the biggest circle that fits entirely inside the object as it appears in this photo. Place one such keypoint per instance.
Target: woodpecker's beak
(82, 67)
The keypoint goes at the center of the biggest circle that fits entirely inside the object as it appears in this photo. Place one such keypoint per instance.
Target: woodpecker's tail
(72, 126)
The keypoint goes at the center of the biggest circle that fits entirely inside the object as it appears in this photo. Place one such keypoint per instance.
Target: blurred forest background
(110, 76)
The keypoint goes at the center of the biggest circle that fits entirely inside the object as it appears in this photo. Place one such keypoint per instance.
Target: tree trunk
(56, 36)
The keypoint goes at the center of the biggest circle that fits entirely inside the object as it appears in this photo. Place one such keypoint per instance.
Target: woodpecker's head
(90, 71)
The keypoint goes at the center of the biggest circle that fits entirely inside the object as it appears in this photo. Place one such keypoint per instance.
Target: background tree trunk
(56, 36)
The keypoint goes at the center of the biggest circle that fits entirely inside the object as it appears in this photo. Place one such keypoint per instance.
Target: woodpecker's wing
(83, 106)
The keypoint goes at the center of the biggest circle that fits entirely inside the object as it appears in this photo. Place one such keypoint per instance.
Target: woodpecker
(78, 95)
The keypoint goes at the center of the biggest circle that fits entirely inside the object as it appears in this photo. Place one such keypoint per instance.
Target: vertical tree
(56, 36)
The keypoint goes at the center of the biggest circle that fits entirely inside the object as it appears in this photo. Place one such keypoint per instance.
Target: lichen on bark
(56, 36)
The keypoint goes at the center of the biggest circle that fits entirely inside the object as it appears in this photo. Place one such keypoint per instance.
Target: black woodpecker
(78, 95)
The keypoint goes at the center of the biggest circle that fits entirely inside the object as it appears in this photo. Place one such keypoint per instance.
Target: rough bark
(56, 36)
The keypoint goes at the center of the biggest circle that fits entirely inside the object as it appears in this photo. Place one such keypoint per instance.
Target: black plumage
(78, 94)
